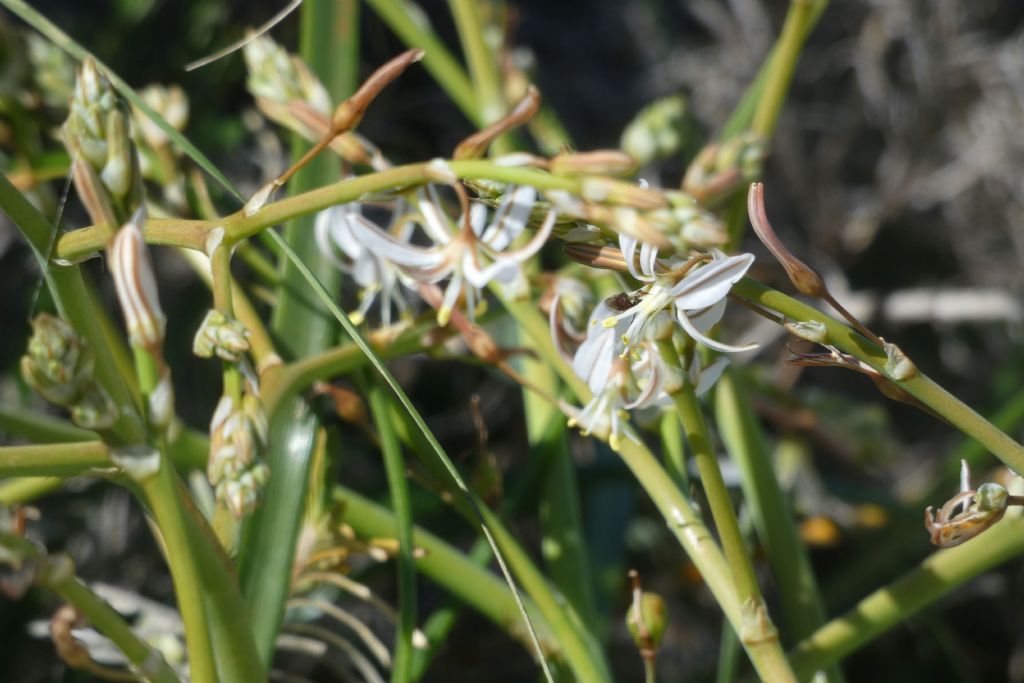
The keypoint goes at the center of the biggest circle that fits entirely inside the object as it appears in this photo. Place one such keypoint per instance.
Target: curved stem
(935, 577)
(918, 385)
(141, 654)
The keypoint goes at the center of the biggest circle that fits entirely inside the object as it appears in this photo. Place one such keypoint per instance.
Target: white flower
(345, 227)
(698, 299)
(471, 256)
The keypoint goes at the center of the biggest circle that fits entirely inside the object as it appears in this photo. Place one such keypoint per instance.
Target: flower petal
(709, 284)
(707, 341)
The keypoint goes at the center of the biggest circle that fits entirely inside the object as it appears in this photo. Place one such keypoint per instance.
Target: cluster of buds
(106, 166)
(276, 79)
(159, 160)
(235, 470)
(665, 219)
(221, 336)
(59, 366)
(289, 94)
(656, 132)
(722, 168)
(52, 70)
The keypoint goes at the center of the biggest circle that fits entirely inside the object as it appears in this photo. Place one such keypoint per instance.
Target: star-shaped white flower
(698, 300)
(472, 255)
(344, 228)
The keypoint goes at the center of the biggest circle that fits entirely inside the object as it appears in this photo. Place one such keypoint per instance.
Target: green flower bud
(94, 409)
(656, 131)
(241, 494)
(276, 79)
(169, 102)
(53, 71)
(57, 363)
(722, 168)
(117, 171)
(991, 497)
(219, 335)
(236, 435)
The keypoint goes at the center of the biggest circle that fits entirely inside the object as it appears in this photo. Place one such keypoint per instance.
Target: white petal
(707, 318)
(709, 376)
(510, 218)
(707, 341)
(435, 224)
(709, 284)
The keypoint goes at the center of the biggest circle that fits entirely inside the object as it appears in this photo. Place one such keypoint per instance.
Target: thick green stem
(881, 610)
(799, 20)
(401, 668)
(162, 497)
(773, 519)
(58, 460)
(757, 632)
(917, 384)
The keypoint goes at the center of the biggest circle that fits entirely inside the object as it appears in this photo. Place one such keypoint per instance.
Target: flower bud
(94, 409)
(277, 77)
(57, 364)
(52, 70)
(236, 433)
(170, 103)
(219, 335)
(135, 283)
(96, 133)
(241, 493)
(720, 168)
(657, 130)
(898, 366)
(476, 145)
(117, 171)
(611, 162)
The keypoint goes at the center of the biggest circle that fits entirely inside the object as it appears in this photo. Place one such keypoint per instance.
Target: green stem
(27, 489)
(757, 632)
(398, 15)
(799, 20)
(401, 669)
(881, 610)
(750, 104)
(773, 519)
(162, 497)
(917, 385)
(483, 72)
(192, 234)
(102, 616)
(674, 454)
(57, 460)
(39, 427)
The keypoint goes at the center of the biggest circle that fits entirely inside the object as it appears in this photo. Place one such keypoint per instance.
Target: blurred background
(896, 171)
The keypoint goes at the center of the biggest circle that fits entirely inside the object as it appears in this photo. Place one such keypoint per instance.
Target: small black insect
(622, 301)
